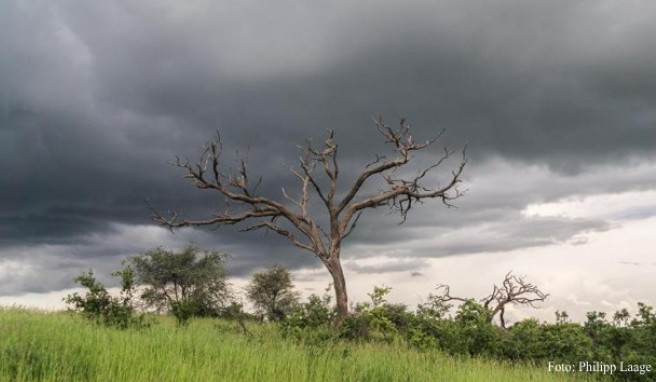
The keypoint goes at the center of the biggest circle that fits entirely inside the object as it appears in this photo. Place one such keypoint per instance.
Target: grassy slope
(57, 347)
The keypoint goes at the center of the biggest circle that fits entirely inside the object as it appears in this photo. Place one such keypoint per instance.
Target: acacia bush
(374, 320)
(312, 321)
(558, 342)
(272, 293)
(187, 283)
(102, 308)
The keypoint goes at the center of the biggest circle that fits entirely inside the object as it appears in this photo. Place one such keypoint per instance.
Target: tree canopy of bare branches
(513, 290)
(318, 174)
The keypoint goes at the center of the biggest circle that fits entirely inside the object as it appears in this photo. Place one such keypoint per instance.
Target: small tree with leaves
(188, 283)
(272, 293)
(100, 306)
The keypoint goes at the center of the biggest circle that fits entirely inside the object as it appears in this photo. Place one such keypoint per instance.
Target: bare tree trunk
(341, 298)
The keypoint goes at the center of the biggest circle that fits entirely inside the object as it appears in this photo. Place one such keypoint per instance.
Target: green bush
(311, 321)
(375, 320)
(99, 306)
(528, 339)
(187, 283)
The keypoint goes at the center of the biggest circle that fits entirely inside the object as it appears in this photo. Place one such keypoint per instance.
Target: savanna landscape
(176, 319)
(449, 190)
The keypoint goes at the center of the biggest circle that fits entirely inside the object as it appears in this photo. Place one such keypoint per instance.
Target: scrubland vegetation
(59, 347)
(176, 321)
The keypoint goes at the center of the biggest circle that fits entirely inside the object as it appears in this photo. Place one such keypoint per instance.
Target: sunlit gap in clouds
(620, 206)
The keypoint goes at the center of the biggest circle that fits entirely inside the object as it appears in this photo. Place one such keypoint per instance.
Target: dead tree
(291, 218)
(513, 290)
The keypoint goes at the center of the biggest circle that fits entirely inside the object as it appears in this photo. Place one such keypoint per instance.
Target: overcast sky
(556, 100)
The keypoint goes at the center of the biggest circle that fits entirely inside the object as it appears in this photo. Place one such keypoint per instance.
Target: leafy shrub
(272, 293)
(474, 330)
(312, 321)
(188, 283)
(528, 339)
(376, 320)
(102, 308)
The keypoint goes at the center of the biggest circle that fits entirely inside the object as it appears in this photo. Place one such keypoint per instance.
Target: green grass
(38, 346)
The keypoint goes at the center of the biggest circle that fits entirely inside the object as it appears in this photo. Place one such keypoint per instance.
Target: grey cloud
(524, 69)
(519, 233)
(23, 267)
(508, 231)
(638, 264)
(309, 274)
(40, 269)
(392, 265)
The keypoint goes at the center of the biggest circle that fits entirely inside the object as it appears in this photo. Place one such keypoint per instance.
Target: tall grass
(57, 347)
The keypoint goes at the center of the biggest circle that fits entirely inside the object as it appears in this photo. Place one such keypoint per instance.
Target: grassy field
(58, 347)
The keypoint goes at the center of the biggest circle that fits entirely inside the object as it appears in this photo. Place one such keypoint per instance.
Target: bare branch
(402, 193)
(270, 225)
(445, 294)
(308, 165)
(224, 218)
(353, 224)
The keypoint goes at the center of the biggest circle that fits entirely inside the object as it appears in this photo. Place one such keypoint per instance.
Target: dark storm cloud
(96, 97)
(529, 80)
